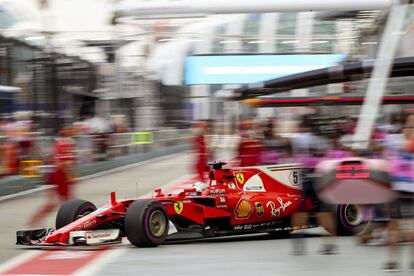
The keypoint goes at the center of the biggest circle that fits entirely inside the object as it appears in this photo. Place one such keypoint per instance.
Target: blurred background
(128, 76)
(130, 80)
(63, 61)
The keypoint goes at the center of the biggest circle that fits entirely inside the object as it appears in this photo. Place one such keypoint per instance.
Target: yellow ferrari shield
(178, 207)
(240, 178)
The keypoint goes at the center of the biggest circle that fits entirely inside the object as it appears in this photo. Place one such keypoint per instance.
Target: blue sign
(235, 69)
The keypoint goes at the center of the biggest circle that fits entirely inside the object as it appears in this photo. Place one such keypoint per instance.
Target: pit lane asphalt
(252, 255)
(128, 183)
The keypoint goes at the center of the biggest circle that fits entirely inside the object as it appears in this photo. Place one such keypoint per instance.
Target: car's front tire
(72, 210)
(146, 223)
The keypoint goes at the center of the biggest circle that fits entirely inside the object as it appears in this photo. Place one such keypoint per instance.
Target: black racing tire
(72, 210)
(146, 223)
(350, 219)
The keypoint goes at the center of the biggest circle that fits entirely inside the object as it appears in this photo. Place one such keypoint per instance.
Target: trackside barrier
(87, 148)
(118, 145)
(147, 141)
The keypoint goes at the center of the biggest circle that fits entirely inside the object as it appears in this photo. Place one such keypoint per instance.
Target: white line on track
(93, 267)
(86, 177)
(17, 260)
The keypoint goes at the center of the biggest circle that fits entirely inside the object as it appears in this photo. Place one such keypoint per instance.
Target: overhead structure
(352, 71)
(200, 8)
(323, 101)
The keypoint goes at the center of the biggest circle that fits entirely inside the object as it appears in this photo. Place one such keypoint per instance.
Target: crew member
(62, 177)
(200, 150)
(309, 149)
(250, 149)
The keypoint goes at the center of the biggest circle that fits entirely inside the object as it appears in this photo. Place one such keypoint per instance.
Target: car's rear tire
(351, 219)
(72, 210)
(146, 223)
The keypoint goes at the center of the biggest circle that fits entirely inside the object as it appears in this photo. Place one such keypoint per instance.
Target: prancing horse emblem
(240, 177)
(178, 207)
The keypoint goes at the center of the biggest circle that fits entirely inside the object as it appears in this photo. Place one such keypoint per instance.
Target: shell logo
(243, 209)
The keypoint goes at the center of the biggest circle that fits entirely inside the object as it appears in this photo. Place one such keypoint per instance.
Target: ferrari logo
(240, 177)
(178, 207)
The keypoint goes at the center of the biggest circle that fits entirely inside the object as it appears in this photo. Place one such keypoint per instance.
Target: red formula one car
(235, 201)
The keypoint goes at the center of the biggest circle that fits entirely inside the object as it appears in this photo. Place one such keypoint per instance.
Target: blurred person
(394, 139)
(62, 177)
(271, 145)
(84, 141)
(17, 142)
(337, 150)
(3, 124)
(376, 226)
(212, 138)
(2, 154)
(390, 149)
(200, 150)
(309, 150)
(117, 137)
(81, 127)
(276, 149)
(348, 130)
(401, 210)
(307, 141)
(9, 163)
(99, 128)
(250, 148)
(21, 131)
(118, 124)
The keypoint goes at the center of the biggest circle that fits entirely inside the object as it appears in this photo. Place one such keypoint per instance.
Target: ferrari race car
(235, 201)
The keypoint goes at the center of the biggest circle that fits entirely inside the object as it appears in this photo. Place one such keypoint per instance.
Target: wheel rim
(353, 215)
(85, 212)
(157, 223)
